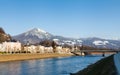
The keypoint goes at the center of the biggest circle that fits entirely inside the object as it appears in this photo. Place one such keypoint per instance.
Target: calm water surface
(53, 66)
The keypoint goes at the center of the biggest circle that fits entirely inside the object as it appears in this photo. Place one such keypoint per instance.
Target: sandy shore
(16, 57)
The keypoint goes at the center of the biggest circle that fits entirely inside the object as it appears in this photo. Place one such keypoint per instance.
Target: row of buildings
(17, 47)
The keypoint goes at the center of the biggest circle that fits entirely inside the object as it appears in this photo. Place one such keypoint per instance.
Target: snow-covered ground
(99, 42)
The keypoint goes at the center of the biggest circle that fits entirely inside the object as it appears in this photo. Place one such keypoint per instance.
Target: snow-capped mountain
(36, 35)
(33, 36)
(41, 34)
(101, 43)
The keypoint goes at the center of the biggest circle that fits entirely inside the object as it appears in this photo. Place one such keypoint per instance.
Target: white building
(10, 47)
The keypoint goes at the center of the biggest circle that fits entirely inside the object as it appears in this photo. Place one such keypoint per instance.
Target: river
(51, 66)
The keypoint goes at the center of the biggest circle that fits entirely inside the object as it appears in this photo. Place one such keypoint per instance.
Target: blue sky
(70, 18)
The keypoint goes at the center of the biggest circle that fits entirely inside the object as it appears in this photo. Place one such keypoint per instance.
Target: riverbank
(18, 57)
(104, 66)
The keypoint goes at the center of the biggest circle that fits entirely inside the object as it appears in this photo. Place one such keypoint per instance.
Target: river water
(51, 66)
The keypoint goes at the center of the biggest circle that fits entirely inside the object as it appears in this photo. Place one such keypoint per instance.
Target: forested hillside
(4, 36)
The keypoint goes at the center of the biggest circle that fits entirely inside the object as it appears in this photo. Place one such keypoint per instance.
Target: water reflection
(10, 68)
(54, 66)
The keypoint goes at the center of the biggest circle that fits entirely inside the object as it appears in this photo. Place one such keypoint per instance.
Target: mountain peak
(34, 35)
(37, 30)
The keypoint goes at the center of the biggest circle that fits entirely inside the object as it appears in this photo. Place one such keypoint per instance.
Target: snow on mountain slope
(33, 36)
(99, 42)
(39, 33)
(36, 35)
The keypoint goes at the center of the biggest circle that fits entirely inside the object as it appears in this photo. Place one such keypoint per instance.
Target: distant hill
(102, 43)
(37, 35)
